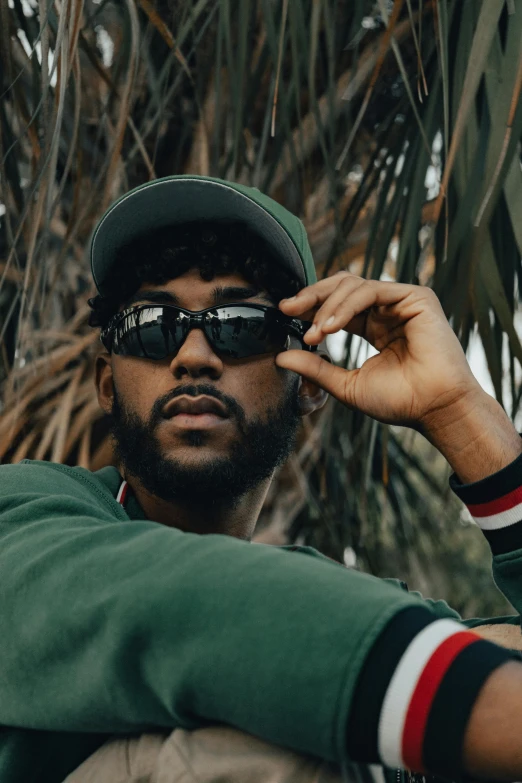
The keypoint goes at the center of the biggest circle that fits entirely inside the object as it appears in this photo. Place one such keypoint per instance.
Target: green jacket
(112, 623)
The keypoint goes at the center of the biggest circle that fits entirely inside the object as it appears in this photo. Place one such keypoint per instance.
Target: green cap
(170, 201)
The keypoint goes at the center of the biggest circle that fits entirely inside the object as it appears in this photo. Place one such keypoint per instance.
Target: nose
(196, 359)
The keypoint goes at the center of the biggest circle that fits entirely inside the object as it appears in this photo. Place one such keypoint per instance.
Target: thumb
(337, 381)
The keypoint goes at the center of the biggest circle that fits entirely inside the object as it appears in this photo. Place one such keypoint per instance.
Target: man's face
(192, 456)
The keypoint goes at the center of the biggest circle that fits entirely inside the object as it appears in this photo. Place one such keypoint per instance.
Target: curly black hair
(214, 248)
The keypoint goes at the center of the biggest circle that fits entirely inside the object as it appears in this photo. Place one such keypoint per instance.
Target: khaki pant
(218, 754)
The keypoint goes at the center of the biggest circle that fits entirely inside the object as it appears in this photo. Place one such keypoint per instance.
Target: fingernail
(312, 330)
(330, 321)
(290, 299)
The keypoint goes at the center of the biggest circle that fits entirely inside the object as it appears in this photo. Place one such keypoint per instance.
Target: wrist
(474, 434)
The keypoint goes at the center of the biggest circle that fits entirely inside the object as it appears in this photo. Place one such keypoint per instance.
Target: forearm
(475, 436)
(492, 747)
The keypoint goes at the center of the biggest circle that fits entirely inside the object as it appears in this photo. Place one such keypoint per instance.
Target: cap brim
(169, 202)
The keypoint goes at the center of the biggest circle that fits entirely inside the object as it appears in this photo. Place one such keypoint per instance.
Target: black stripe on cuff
(378, 669)
(505, 539)
(491, 487)
(453, 702)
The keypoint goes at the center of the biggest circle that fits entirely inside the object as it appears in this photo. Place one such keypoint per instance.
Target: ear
(311, 396)
(104, 381)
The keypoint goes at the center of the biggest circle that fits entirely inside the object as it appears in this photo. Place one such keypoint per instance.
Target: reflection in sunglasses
(155, 332)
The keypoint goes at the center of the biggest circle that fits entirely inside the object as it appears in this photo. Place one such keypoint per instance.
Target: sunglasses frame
(197, 320)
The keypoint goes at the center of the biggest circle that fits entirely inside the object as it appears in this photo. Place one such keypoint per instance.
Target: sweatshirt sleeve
(116, 625)
(495, 503)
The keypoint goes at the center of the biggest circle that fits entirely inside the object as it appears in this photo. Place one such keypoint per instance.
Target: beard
(262, 445)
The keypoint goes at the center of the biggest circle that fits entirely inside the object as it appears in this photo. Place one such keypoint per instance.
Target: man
(134, 603)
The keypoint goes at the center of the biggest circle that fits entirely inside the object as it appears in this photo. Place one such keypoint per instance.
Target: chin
(195, 454)
(196, 439)
(199, 439)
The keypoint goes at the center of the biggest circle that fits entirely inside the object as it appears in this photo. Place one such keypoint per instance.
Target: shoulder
(29, 479)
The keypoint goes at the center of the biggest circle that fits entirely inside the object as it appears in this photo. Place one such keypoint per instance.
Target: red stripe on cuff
(503, 503)
(123, 495)
(424, 693)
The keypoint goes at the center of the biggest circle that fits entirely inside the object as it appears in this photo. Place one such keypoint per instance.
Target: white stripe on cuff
(503, 519)
(402, 687)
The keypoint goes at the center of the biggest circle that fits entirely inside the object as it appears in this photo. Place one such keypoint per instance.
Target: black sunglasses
(234, 330)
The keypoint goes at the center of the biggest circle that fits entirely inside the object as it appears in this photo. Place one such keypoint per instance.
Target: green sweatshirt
(111, 623)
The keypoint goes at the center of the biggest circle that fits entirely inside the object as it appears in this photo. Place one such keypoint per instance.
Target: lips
(194, 406)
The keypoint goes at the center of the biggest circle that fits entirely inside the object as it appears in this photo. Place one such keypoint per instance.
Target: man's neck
(203, 517)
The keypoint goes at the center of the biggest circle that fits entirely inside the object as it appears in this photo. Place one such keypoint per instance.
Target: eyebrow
(229, 294)
(220, 295)
(159, 297)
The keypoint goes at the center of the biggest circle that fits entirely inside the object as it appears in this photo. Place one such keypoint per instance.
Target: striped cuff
(415, 693)
(495, 503)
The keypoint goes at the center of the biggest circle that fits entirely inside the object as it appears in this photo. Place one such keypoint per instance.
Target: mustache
(231, 405)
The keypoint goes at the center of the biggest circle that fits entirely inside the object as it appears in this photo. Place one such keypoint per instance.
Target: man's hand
(420, 366)
(420, 378)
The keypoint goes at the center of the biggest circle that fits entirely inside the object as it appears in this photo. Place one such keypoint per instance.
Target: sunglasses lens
(240, 331)
(150, 333)
(236, 331)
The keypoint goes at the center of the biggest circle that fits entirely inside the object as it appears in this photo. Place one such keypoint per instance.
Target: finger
(353, 309)
(337, 381)
(350, 299)
(307, 300)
